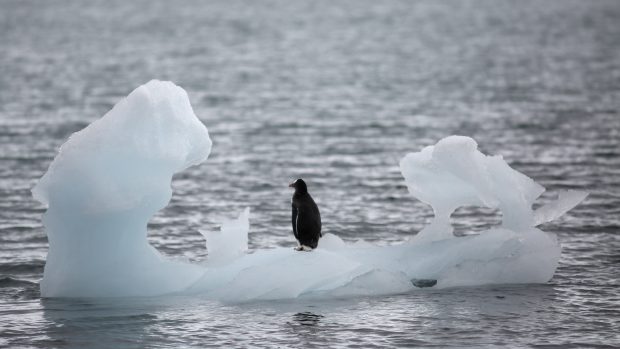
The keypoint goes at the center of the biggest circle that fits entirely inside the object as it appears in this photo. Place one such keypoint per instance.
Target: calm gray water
(336, 93)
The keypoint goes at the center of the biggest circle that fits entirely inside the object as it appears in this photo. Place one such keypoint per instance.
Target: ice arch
(454, 173)
(111, 177)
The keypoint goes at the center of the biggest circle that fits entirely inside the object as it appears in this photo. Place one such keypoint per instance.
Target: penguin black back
(306, 218)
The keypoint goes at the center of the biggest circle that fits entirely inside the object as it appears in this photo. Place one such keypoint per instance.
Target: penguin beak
(291, 185)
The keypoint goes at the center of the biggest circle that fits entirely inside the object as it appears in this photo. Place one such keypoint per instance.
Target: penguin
(306, 217)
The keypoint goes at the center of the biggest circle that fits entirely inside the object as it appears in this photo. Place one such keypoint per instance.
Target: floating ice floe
(110, 178)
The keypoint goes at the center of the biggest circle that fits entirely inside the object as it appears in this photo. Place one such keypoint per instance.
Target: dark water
(336, 93)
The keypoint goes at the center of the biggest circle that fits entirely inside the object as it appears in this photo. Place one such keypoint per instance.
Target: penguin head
(299, 185)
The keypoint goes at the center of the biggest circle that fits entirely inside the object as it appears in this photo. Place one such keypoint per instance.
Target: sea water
(336, 93)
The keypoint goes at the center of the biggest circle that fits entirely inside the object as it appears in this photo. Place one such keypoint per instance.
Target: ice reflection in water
(414, 319)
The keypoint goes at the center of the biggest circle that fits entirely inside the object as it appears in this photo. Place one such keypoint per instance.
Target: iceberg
(110, 178)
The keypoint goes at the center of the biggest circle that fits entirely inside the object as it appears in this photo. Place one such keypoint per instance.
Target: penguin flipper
(294, 221)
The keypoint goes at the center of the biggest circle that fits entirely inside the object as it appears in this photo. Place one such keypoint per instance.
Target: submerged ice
(110, 178)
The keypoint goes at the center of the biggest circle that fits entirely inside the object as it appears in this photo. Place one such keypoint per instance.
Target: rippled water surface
(336, 93)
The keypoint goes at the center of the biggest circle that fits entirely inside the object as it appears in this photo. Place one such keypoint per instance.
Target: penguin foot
(303, 248)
